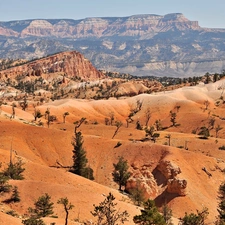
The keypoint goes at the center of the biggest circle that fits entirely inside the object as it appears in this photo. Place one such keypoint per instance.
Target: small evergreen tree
(149, 215)
(14, 170)
(195, 219)
(204, 132)
(4, 186)
(107, 213)
(43, 206)
(33, 221)
(15, 195)
(173, 117)
(67, 206)
(120, 173)
(79, 158)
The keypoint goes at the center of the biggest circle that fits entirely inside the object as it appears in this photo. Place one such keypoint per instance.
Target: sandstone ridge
(70, 64)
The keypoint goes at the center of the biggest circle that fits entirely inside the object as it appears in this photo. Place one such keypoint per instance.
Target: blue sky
(209, 13)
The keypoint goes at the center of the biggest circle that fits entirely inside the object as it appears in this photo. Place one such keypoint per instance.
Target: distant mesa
(97, 27)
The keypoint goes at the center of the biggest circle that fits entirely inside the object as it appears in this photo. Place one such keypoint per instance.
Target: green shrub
(14, 171)
(222, 147)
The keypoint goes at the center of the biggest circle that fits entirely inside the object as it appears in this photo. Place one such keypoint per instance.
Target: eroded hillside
(181, 166)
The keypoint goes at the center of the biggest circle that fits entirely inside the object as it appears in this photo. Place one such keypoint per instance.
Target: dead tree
(65, 114)
(207, 172)
(107, 121)
(217, 129)
(177, 107)
(139, 105)
(148, 115)
(111, 116)
(118, 125)
(24, 104)
(37, 113)
(168, 136)
(47, 114)
(206, 103)
(78, 124)
(13, 111)
(211, 122)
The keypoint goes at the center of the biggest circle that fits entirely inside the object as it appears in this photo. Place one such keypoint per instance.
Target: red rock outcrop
(72, 64)
(155, 181)
(169, 169)
(177, 186)
(143, 178)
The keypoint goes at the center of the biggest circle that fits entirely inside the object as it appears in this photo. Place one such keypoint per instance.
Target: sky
(209, 13)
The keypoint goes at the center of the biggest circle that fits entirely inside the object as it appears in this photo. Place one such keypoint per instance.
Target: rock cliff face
(137, 25)
(169, 45)
(71, 64)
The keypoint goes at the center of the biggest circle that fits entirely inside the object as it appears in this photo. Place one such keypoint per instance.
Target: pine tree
(149, 215)
(107, 213)
(14, 170)
(195, 219)
(43, 206)
(15, 195)
(79, 158)
(120, 173)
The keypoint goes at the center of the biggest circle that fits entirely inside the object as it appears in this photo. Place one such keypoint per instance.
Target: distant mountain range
(169, 45)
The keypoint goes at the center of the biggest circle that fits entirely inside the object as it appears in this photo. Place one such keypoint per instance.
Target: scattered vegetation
(149, 215)
(106, 212)
(195, 219)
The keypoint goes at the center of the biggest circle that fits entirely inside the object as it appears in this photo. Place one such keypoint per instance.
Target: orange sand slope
(40, 148)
